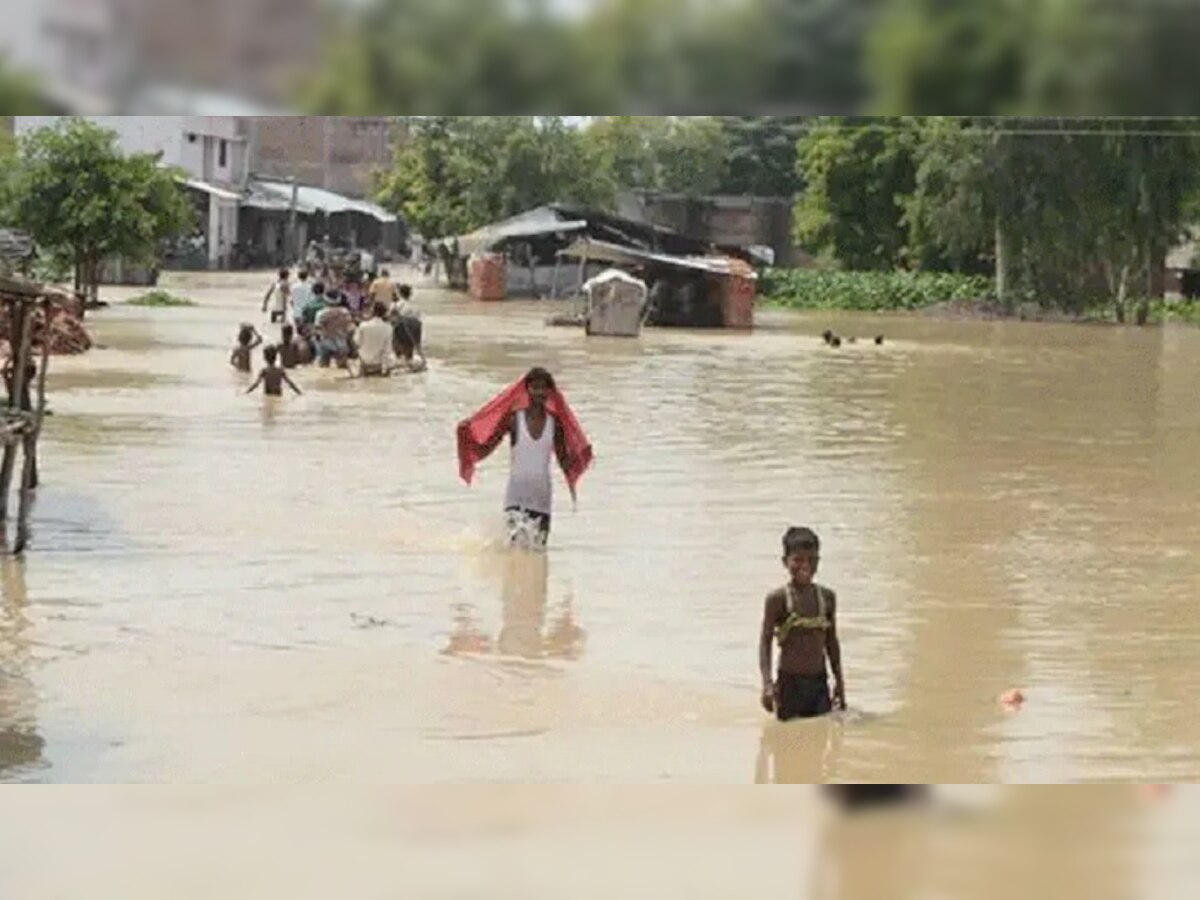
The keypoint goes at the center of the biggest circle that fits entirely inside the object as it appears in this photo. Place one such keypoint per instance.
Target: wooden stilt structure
(21, 420)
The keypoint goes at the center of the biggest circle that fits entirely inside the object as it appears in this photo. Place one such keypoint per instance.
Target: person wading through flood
(534, 416)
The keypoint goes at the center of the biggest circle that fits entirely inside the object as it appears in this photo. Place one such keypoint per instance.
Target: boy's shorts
(802, 697)
(278, 316)
(527, 529)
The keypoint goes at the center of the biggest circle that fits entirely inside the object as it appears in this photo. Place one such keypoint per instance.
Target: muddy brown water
(227, 590)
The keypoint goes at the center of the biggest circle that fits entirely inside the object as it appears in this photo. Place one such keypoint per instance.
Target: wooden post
(554, 283)
(22, 322)
(29, 473)
(29, 442)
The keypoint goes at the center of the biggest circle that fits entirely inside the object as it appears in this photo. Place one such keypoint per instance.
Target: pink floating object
(1013, 699)
(1156, 793)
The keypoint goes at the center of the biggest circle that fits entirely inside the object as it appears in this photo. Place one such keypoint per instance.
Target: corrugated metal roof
(602, 251)
(312, 199)
(212, 189)
(534, 222)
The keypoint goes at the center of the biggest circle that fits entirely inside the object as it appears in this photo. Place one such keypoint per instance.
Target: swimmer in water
(272, 378)
(802, 617)
(248, 340)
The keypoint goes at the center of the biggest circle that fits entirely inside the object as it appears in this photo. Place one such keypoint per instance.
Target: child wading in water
(247, 341)
(272, 378)
(802, 617)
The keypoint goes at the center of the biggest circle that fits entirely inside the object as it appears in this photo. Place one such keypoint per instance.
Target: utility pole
(293, 231)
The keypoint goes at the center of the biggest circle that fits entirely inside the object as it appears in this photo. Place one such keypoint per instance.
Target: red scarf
(488, 425)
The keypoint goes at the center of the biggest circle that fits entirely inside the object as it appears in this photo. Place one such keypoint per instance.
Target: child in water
(272, 378)
(802, 617)
(248, 340)
(293, 352)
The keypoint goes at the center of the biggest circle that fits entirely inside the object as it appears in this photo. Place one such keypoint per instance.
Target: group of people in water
(366, 325)
(377, 326)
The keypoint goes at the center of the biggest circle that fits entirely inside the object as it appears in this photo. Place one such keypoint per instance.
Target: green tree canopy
(676, 154)
(762, 155)
(456, 173)
(859, 177)
(76, 193)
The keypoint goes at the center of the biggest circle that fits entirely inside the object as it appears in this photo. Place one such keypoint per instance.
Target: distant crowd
(366, 325)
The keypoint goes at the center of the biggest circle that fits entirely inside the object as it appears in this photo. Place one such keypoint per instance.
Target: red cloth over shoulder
(487, 427)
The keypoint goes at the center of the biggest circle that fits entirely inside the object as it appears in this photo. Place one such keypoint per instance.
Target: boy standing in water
(802, 617)
(272, 378)
(280, 292)
(292, 351)
(248, 340)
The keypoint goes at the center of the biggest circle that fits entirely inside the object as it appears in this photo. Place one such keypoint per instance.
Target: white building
(212, 150)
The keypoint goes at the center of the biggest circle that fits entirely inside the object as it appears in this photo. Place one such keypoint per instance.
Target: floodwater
(226, 590)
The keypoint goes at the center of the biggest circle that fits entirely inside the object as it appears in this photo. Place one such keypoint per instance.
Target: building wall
(192, 143)
(338, 153)
(737, 221)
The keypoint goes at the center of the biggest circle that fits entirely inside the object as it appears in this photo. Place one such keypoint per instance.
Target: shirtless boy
(272, 378)
(802, 617)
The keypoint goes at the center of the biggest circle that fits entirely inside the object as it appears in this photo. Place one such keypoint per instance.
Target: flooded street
(230, 592)
(223, 591)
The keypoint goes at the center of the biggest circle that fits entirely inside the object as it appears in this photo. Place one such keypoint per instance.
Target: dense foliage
(870, 291)
(76, 193)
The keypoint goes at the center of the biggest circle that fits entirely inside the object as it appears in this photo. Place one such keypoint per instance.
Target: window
(223, 154)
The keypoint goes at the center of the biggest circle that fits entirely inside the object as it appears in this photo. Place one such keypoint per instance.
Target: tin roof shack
(321, 215)
(707, 291)
(532, 244)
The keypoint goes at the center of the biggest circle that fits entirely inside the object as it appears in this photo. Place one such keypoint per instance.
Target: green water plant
(159, 299)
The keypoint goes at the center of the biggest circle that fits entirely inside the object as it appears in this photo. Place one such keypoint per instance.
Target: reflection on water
(799, 752)
(529, 628)
(20, 744)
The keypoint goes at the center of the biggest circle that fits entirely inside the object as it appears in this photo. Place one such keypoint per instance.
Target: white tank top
(529, 484)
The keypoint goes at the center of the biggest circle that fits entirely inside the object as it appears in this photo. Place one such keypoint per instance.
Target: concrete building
(99, 56)
(212, 150)
(336, 153)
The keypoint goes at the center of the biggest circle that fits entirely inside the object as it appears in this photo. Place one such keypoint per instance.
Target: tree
(1101, 202)
(456, 173)
(762, 155)
(693, 157)
(859, 176)
(18, 94)
(629, 147)
(76, 193)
